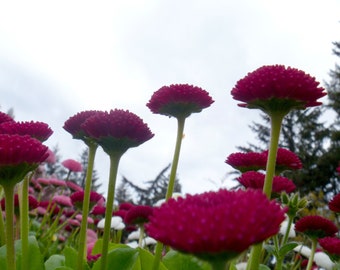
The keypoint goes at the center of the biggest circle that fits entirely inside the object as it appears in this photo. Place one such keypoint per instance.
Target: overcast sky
(58, 58)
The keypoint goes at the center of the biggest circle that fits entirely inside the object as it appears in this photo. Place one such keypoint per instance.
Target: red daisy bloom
(278, 88)
(4, 117)
(286, 160)
(334, 204)
(255, 180)
(250, 161)
(331, 245)
(77, 198)
(117, 130)
(98, 210)
(62, 200)
(73, 186)
(72, 165)
(216, 225)
(74, 124)
(38, 130)
(316, 226)
(18, 156)
(179, 100)
(32, 203)
(138, 214)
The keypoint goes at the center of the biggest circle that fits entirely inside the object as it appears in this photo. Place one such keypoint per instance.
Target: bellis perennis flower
(216, 225)
(117, 130)
(334, 204)
(316, 226)
(278, 88)
(179, 100)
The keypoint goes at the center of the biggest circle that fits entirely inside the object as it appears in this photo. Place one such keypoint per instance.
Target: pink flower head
(32, 203)
(216, 225)
(57, 182)
(179, 100)
(18, 156)
(77, 198)
(334, 204)
(255, 180)
(316, 226)
(98, 210)
(72, 165)
(73, 186)
(62, 200)
(331, 245)
(278, 88)
(50, 206)
(338, 169)
(117, 130)
(74, 125)
(125, 206)
(138, 214)
(51, 159)
(250, 161)
(4, 117)
(286, 160)
(38, 130)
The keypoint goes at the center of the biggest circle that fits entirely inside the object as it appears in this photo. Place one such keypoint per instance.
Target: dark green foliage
(154, 191)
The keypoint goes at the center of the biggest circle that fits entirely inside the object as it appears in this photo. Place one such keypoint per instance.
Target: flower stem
(172, 178)
(24, 219)
(114, 161)
(276, 122)
(10, 251)
(86, 205)
(312, 253)
(171, 185)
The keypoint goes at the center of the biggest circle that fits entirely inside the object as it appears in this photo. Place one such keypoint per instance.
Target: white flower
(116, 223)
(132, 244)
(321, 259)
(134, 235)
(284, 227)
(149, 241)
(303, 250)
(241, 266)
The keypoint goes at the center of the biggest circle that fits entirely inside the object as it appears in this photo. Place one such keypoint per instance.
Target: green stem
(311, 257)
(86, 205)
(2, 224)
(10, 251)
(171, 185)
(24, 219)
(289, 225)
(114, 161)
(276, 122)
(172, 178)
(141, 236)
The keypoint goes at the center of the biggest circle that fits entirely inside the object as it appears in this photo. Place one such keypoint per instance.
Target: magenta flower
(77, 198)
(316, 226)
(72, 165)
(179, 100)
(38, 130)
(117, 130)
(286, 160)
(216, 225)
(250, 161)
(73, 186)
(334, 204)
(74, 125)
(331, 245)
(51, 159)
(255, 180)
(32, 203)
(4, 117)
(18, 156)
(62, 200)
(278, 88)
(138, 214)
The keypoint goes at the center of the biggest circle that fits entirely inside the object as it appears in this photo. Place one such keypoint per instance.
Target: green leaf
(146, 260)
(70, 257)
(263, 267)
(54, 262)
(174, 260)
(35, 257)
(122, 258)
(286, 248)
(64, 268)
